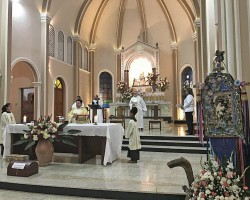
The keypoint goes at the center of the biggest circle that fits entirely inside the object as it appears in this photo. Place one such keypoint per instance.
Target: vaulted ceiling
(118, 19)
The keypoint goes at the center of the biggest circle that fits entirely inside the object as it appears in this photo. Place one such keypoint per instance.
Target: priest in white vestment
(138, 102)
(79, 110)
(74, 104)
(7, 117)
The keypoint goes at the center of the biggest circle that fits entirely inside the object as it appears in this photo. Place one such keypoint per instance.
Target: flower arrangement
(121, 86)
(151, 78)
(163, 84)
(217, 182)
(127, 95)
(45, 129)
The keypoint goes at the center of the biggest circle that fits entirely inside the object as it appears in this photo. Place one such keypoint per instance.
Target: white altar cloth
(112, 132)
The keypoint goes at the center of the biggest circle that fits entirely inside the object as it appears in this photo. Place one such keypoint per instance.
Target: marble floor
(150, 175)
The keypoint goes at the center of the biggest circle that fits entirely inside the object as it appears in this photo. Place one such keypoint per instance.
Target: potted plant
(44, 132)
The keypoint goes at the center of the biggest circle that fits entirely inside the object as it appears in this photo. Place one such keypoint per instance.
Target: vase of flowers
(163, 84)
(43, 133)
(44, 152)
(151, 79)
(127, 95)
(217, 182)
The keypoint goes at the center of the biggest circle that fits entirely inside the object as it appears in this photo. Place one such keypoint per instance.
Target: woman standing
(7, 117)
(132, 134)
(188, 108)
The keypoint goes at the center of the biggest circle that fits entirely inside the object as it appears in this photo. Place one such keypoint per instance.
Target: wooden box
(22, 168)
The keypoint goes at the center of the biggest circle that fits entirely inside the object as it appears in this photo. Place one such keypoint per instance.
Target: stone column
(204, 47)
(45, 21)
(37, 94)
(92, 48)
(176, 81)
(126, 77)
(197, 44)
(76, 64)
(5, 50)
(228, 35)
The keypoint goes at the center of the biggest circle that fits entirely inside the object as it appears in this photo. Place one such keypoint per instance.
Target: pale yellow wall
(84, 85)
(26, 32)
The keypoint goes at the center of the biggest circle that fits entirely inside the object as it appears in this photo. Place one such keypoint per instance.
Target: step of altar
(164, 124)
(174, 144)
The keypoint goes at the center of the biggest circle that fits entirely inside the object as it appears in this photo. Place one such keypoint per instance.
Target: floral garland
(217, 182)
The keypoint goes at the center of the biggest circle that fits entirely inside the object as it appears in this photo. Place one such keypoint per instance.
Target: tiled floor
(150, 174)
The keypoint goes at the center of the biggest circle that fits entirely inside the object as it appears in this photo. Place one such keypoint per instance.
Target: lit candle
(24, 119)
(95, 119)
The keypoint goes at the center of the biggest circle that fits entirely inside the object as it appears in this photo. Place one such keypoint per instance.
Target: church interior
(52, 51)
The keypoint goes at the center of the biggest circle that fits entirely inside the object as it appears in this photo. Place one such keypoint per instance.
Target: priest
(138, 102)
(79, 110)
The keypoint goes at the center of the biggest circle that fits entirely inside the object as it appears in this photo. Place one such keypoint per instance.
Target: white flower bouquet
(45, 129)
(217, 182)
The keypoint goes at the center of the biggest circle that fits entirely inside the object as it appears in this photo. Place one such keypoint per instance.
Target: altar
(157, 107)
(102, 139)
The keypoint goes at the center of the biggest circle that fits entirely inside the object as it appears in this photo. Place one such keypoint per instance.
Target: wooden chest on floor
(22, 168)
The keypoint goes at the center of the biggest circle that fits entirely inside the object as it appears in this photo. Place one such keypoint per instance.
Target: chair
(155, 119)
(120, 116)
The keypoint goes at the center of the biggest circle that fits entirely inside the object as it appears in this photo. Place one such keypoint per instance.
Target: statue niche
(137, 61)
(141, 81)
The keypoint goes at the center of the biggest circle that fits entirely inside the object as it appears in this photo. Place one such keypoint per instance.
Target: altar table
(109, 136)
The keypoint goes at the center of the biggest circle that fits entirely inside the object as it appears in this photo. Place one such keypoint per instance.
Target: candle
(95, 119)
(24, 119)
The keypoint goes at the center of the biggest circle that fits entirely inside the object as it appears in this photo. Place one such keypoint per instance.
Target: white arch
(113, 81)
(31, 64)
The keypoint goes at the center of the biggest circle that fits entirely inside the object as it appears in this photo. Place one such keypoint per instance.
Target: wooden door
(27, 104)
(58, 100)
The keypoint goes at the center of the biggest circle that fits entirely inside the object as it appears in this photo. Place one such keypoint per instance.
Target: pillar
(92, 48)
(5, 50)
(45, 21)
(177, 89)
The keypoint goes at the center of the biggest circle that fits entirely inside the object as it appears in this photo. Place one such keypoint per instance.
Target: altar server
(138, 102)
(132, 134)
(79, 110)
(7, 117)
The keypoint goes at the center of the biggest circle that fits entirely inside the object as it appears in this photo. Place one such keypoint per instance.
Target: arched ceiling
(124, 18)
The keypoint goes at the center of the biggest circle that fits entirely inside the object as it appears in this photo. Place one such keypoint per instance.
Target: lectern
(95, 110)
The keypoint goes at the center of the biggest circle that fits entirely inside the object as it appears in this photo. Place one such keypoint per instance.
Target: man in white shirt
(188, 108)
(138, 102)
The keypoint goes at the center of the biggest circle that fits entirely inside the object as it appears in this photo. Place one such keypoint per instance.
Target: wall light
(17, 9)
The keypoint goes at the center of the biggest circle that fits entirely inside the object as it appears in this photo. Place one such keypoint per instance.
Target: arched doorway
(58, 98)
(105, 87)
(22, 92)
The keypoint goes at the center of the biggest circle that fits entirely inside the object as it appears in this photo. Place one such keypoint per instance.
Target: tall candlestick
(24, 119)
(95, 119)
